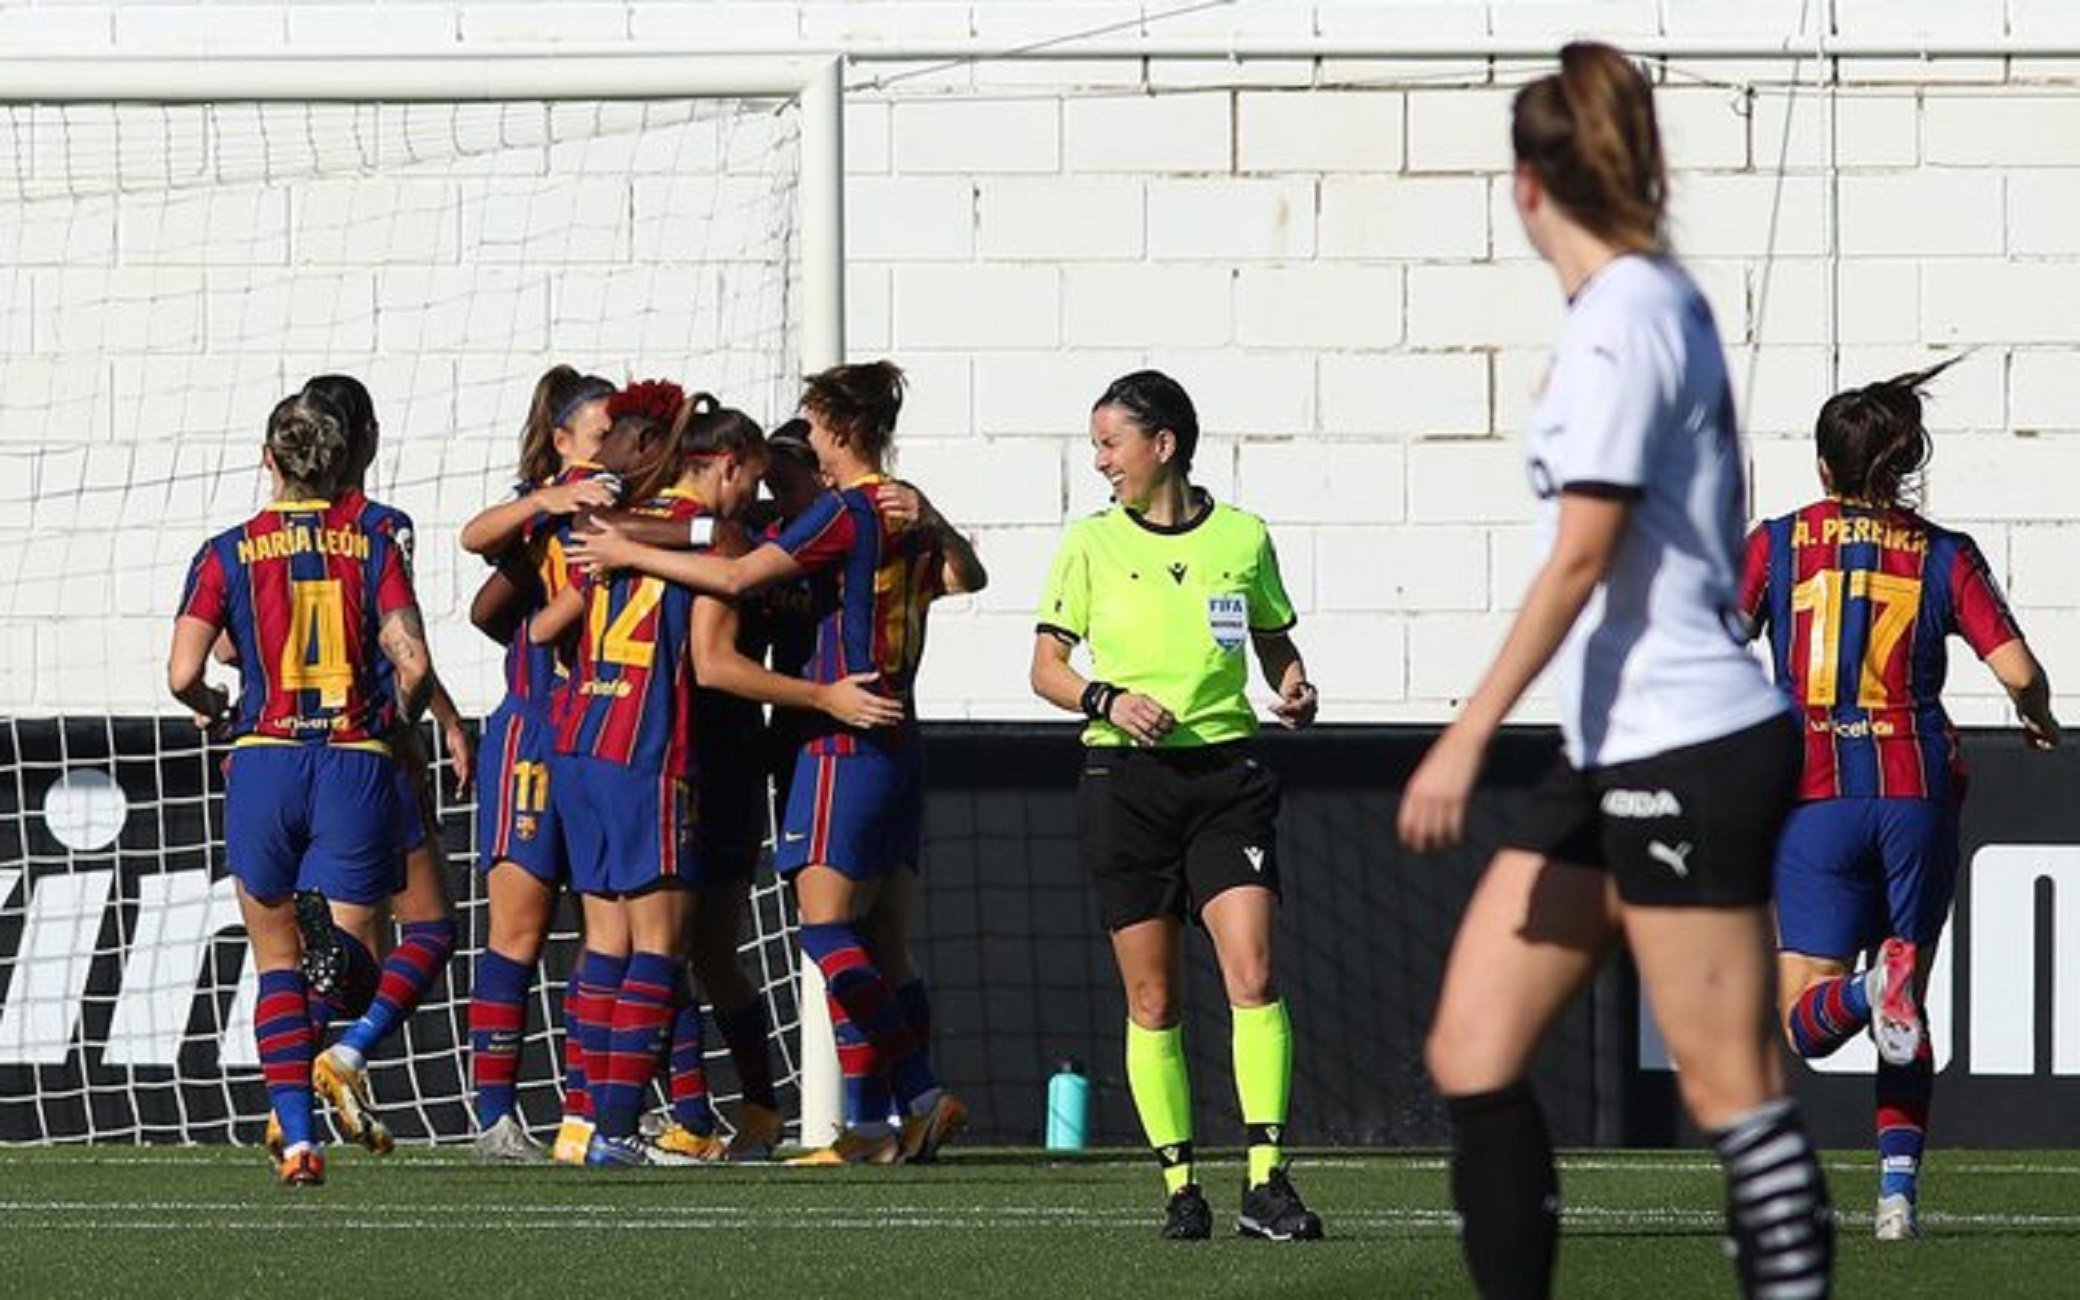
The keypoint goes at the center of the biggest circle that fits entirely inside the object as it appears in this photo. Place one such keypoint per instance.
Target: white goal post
(810, 82)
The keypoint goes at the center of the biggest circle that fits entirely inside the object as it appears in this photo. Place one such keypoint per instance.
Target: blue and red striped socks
(865, 1100)
(1829, 1014)
(855, 984)
(651, 991)
(497, 1027)
(745, 1031)
(589, 1012)
(1903, 1095)
(691, 1106)
(282, 1028)
(422, 952)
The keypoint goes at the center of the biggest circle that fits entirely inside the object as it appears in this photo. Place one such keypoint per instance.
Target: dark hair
(860, 401)
(790, 439)
(1155, 402)
(1873, 442)
(1588, 133)
(705, 427)
(557, 395)
(357, 411)
(648, 409)
(309, 443)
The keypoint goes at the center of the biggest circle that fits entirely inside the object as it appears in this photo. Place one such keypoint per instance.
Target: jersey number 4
(1892, 601)
(314, 654)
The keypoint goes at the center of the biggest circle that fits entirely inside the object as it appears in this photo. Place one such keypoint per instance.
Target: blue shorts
(411, 814)
(625, 830)
(860, 813)
(1854, 872)
(516, 819)
(313, 817)
(415, 810)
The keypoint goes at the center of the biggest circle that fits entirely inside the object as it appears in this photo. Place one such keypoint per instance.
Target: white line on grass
(193, 1216)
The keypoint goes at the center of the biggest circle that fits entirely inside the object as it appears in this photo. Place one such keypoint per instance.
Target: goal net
(173, 263)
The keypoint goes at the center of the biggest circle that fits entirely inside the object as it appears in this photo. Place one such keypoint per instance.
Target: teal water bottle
(1068, 1108)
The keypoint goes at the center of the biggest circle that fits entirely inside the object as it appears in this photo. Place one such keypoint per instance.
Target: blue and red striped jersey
(1857, 602)
(304, 588)
(870, 586)
(630, 695)
(532, 671)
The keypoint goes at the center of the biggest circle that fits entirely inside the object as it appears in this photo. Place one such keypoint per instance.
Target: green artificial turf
(105, 1221)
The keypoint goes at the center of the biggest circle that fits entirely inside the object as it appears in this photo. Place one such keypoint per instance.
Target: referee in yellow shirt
(1175, 817)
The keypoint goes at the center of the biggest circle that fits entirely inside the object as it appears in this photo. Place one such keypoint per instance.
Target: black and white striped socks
(1776, 1205)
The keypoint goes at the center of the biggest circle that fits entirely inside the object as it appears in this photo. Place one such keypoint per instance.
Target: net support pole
(822, 223)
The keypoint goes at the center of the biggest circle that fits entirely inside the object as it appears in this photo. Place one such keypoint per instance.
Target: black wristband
(1098, 699)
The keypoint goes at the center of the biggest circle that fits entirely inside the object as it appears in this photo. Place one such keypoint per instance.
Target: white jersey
(1637, 406)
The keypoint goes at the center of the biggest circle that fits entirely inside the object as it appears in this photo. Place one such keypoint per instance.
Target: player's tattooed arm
(403, 640)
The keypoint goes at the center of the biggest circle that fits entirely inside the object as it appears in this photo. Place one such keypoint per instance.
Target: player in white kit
(1659, 827)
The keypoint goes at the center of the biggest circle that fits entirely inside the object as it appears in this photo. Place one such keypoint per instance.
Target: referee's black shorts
(1161, 831)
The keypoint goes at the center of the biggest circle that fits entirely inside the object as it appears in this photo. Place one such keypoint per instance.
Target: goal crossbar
(815, 80)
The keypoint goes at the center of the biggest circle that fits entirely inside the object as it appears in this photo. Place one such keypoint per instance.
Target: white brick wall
(1325, 254)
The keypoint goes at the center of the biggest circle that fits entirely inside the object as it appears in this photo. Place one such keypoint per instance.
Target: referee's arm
(1054, 680)
(1286, 673)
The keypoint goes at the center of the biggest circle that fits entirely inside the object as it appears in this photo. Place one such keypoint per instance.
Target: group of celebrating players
(1698, 815)
(629, 760)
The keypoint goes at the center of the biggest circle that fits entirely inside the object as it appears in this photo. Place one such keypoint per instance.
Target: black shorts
(1161, 831)
(1694, 827)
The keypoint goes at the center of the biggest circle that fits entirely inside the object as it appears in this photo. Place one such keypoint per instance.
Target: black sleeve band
(1601, 491)
(1061, 634)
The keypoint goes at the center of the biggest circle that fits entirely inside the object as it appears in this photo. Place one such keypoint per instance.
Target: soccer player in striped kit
(1659, 828)
(851, 837)
(381, 998)
(310, 600)
(622, 776)
(1857, 594)
(520, 842)
(743, 758)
